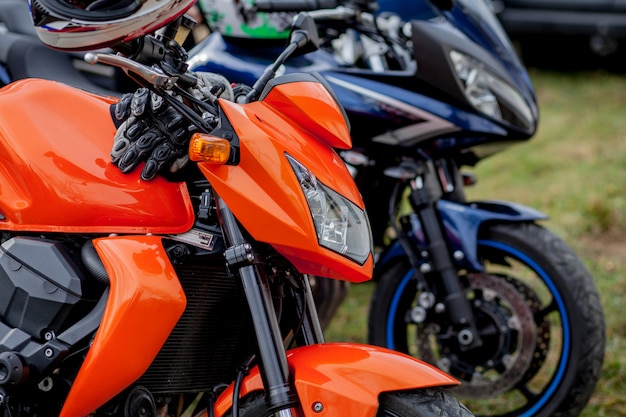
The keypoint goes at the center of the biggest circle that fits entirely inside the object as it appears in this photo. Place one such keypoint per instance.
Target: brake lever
(152, 76)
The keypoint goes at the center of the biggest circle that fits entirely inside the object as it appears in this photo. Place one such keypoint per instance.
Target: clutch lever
(150, 75)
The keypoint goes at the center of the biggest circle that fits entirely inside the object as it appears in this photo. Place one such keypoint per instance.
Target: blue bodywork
(462, 222)
(246, 64)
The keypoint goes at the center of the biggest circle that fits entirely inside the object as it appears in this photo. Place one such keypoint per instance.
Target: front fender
(345, 379)
(462, 222)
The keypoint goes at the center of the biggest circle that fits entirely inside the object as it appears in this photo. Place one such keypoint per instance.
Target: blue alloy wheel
(538, 314)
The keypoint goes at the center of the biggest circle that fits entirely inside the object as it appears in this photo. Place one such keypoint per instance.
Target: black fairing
(433, 41)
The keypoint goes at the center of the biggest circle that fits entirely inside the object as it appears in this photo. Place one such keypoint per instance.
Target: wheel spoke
(542, 314)
(527, 393)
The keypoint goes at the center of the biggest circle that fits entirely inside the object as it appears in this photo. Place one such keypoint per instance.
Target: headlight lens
(341, 225)
(489, 94)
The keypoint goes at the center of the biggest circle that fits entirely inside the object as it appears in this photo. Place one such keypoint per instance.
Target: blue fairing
(245, 65)
(360, 103)
(409, 10)
(4, 76)
(462, 223)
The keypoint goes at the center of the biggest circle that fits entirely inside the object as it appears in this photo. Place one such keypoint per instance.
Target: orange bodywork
(262, 190)
(145, 302)
(310, 106)
(346, 378)
(56, 174)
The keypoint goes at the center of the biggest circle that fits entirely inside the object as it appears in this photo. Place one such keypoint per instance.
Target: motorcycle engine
(50, 303)
(40, 286)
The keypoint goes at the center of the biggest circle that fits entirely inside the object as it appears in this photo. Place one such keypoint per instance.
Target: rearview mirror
(304, 24)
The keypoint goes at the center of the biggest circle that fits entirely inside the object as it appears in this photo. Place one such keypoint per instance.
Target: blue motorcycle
(477, 288)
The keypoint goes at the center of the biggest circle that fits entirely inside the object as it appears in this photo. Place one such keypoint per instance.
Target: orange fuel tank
(56, 174)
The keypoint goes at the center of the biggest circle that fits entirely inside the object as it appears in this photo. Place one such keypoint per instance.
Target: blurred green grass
(574, 170)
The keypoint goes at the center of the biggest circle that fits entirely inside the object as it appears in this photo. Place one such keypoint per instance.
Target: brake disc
(543, 328)
(504, 312)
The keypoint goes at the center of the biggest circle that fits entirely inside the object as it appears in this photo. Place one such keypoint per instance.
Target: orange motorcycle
(187, 296)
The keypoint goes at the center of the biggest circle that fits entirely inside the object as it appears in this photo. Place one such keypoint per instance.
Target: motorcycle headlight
(489, 94)
(341, 225)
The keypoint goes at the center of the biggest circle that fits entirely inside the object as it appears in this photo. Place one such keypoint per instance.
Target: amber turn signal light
(206, 148)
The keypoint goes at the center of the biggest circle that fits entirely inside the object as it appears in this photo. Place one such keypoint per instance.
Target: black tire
(421, 403)
(430, 402)
(534, 281)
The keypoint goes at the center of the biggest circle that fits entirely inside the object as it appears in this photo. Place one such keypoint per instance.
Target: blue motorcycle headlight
(489, 94)
(341, 225)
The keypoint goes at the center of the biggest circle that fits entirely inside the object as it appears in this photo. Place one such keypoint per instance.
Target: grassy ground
(574, 170)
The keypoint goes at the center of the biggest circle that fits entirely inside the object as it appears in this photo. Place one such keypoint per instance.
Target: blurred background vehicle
(566, 34)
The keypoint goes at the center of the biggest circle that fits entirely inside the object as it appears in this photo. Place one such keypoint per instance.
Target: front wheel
(538, 314)
(422, 403)
(430, 402)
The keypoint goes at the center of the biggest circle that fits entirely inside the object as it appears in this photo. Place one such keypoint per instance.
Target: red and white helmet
(75, 25)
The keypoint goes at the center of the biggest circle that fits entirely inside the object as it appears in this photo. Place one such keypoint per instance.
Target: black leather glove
(152, 131)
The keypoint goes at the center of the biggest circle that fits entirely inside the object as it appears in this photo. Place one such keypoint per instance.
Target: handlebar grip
(294, 5)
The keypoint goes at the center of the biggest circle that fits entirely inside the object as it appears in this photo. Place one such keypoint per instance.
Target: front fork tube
(311, 330)
(424, 196)
(280, 395)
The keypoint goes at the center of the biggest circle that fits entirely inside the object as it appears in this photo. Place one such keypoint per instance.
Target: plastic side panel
(145, 302)
(347, 378)
(462, 222)
(313, 108)
(264, 194)
(56, 173)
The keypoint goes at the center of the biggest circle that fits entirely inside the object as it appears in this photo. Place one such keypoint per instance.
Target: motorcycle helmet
(237, 19)
(75, 25)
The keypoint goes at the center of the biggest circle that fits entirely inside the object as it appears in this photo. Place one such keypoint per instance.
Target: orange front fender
(346, 379)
